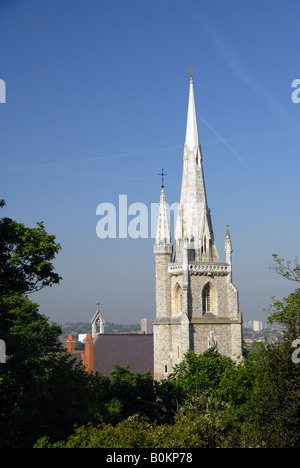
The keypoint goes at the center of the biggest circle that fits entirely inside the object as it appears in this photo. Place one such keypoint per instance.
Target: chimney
(70, 344)
(89, 354)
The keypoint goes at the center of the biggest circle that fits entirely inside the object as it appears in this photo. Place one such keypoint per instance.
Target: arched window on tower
(206, 299)
(177, 299)
(209, 300)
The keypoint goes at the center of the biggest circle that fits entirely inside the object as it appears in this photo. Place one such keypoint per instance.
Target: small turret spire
(163, 243)
(163, 235)
(228, 247)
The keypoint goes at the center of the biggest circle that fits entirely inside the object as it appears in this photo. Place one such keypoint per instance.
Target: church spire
(192, 137)
(193, 219)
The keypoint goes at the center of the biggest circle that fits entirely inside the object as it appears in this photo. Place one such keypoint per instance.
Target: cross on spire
(162, 178)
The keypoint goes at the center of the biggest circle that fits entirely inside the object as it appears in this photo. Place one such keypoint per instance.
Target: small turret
(228, 250)
(228, 246)
(97, 320)
(163, 235)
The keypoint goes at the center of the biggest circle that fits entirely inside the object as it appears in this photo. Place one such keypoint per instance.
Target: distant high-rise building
(146, 326)
(257, 325)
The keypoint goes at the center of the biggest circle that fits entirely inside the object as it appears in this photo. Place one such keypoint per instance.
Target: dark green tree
(42, 391)
(274, 404)
(286, 313)
(200, 373)
(26, 256)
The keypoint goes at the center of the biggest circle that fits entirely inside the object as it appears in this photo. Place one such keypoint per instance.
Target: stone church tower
(196, 302)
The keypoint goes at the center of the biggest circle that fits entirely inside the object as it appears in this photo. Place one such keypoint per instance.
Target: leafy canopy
(26, 256)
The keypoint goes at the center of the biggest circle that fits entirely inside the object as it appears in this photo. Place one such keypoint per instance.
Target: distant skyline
(96, 96)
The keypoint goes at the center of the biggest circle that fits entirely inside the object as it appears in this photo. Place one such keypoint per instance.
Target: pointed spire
(228, 251)
(193, 218)
(163, 234)
(228, 246)
(192, 136)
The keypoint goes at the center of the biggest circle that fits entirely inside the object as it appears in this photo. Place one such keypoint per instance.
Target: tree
(272, 411)
(42, 391)
(26, 256)
(124, 394)
(287, 312)
(198, 373)
(286, 269)
(274, 405)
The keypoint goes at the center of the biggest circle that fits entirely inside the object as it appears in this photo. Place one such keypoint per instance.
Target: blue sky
(96, 106)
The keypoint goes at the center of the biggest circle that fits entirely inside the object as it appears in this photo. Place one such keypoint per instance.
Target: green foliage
(41, 388)
(26, 332)
(199, 373)
(208, 401)
(274, 403)
(252, 404)
(125, 394)
(287, 314)
(286, 269)
(133, 432)
(25, 258)
(130, 433)
(42, 391)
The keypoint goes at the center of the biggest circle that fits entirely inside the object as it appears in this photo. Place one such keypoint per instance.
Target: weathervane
(162, 178)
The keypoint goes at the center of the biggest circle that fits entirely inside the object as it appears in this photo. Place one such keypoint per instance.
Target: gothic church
(196, 301)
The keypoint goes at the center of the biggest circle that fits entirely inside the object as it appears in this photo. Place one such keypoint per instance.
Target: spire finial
(191, 73)
(162, 178)
(227, 231)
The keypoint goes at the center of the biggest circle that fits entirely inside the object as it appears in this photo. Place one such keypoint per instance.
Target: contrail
(240, 71)
(230, 148)
(99, 158)
(68, 163)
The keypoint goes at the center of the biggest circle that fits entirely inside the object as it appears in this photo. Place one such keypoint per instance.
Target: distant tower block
(146, 326)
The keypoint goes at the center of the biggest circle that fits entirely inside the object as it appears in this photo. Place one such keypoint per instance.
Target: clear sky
(96, 106)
